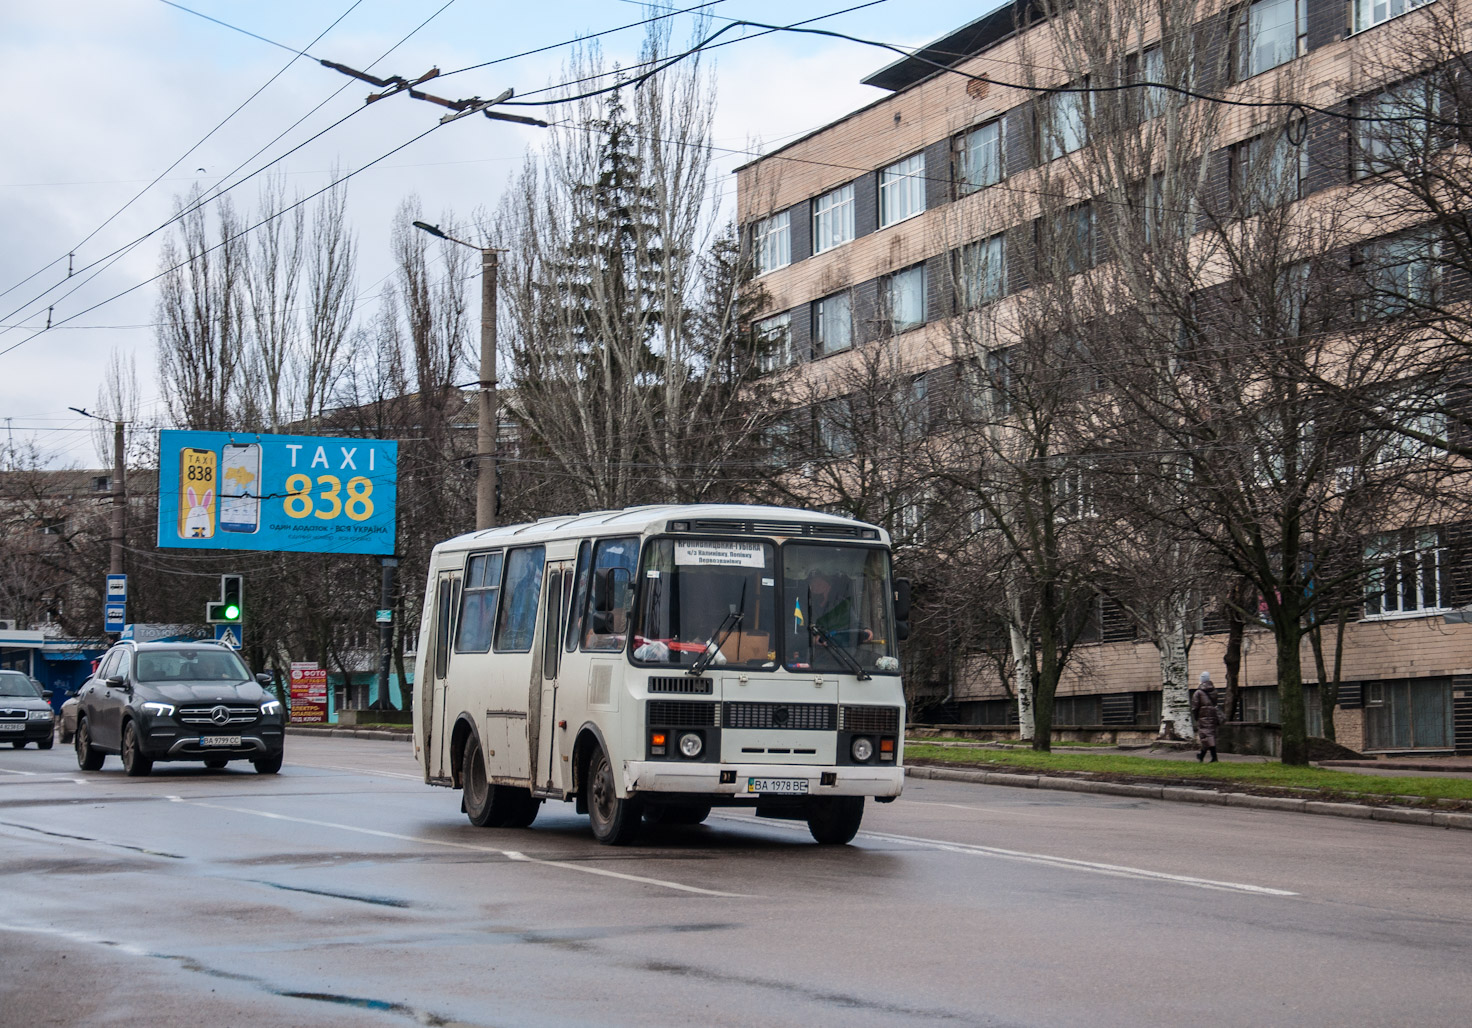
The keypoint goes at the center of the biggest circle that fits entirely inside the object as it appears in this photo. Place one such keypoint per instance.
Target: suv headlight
(271, 707)
(159, 709)
(40, 715)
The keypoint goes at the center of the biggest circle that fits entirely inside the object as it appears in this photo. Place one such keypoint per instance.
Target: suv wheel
(88, 758)
(135, 762)
(269, 765)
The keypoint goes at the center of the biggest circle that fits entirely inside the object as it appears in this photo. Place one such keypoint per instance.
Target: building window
(1267, 172)
(1369, 13)
(833, 218)
(773, 243)
(999, 380)
(774, 343)
(902, 190)
(904, 298)
(1273, 33)
(102, 483)
(1413, 419)
(1401, 274)
(1409, 714)
(1153, 99)
(835, 427)
(982, 271)
(979, 160)
(1066, 241)
(1063, 127)
(1398, 127)
(1408, 573)
(833, 323)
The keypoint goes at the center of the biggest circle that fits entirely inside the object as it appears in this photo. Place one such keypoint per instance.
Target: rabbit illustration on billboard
(197, 493)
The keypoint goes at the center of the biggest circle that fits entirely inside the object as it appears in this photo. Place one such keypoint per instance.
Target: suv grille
(236, 715)
(879, 720)
(817, 717)
(683, 714)
(682, 684)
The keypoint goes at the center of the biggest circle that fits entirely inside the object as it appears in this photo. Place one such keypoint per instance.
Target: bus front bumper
(753, 780)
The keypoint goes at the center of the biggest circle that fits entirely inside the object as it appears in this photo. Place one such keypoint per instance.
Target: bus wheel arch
(589, 741)
(462, 733)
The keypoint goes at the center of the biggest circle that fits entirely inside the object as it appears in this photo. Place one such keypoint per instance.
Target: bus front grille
(681, 684)
(683, 714)
(816, 717)
(877, 720)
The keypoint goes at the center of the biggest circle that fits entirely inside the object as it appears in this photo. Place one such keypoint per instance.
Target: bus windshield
(708, 602)
(836, 608)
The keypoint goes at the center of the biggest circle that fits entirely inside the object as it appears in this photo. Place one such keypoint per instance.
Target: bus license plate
(219, 740)
(778, 786)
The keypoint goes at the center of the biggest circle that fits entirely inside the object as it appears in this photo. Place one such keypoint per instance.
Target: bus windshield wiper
(841, 651)
(713, 644)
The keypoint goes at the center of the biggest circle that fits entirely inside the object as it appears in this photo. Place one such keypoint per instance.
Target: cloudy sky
(104, 96)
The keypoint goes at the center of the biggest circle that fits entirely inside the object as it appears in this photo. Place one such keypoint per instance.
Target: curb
(357, 733)
(1210, 797)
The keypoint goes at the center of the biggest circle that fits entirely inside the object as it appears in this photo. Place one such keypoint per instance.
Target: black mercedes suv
(177, 701)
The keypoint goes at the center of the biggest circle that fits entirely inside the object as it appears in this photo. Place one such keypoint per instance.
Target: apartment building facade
(878, 229)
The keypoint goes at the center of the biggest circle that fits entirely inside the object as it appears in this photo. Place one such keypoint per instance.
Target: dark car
(177, 701)
(25, 716)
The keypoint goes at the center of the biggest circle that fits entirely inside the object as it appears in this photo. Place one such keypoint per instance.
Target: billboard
(296, 493)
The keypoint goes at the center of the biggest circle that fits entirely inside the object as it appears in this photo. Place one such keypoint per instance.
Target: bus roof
(712, 518)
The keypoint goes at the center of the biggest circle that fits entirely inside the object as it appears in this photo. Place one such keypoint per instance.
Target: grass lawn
(1322, 780)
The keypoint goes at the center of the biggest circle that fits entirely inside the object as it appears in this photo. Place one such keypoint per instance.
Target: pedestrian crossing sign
(229, 635)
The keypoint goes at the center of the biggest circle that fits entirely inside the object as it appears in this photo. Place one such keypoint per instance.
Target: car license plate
(208, 741)
(12, 728)
(779, 786)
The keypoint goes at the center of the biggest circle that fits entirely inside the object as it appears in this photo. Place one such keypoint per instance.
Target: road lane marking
(359, 771)
(1047, 860)
(8, 771)
(512, 855)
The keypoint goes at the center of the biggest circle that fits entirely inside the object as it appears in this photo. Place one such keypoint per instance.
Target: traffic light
(231, 608)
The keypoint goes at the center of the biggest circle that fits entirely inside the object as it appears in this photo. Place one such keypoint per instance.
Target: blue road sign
(229, 635)
(114, 617)
(117, 588)
(293, 493)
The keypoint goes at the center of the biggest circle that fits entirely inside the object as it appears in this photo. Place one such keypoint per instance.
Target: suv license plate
(779, 786)
(208, 741)
(12, 728)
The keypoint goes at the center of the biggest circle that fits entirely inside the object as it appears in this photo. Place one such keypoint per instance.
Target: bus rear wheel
(488, 805)
(615, 821)
(835, 821)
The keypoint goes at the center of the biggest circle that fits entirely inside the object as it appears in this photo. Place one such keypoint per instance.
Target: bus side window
(478, 603)
(580, 598)
(517, 622)
(614, 562)
(442, 630)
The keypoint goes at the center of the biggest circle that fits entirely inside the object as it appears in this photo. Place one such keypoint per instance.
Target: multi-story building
(876, 229)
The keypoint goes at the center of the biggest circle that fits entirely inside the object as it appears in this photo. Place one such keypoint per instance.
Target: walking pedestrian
(1206, 716)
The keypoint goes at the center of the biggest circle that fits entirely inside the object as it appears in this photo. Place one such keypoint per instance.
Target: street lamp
(485, 436)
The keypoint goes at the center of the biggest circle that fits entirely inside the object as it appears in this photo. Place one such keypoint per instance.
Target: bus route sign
(293, 493)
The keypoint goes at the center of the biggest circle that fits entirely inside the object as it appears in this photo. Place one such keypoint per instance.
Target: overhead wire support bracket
(390, 85)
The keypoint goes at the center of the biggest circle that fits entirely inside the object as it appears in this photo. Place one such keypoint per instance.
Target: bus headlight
(862, 749)
(691, 744)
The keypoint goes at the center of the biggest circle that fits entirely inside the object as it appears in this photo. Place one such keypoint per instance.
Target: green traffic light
(232, 611)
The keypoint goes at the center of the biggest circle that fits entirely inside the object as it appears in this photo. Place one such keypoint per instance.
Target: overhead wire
(202, 140)
(216, 192)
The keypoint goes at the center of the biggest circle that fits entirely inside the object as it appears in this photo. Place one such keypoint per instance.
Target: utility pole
(488, 423)
(119, 499)
(386, 636)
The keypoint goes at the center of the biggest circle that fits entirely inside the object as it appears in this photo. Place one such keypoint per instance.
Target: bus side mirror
(603, 590)
(901, 630)
(902, 600)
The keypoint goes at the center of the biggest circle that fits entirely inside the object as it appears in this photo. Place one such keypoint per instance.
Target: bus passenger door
(436, 741)
(546, 739)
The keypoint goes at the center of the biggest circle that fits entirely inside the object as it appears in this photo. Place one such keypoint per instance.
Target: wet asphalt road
(344, 891)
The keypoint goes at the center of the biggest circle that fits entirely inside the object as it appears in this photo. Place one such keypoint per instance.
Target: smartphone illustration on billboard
(198, 485)
(240, 488)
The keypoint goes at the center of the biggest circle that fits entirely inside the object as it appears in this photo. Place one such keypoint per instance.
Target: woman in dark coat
(1206, 716)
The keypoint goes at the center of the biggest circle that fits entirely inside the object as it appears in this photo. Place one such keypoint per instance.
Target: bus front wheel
(835, 821)
(615, 821)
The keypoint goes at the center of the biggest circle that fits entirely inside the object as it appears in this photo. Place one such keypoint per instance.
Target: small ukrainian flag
(797, 621)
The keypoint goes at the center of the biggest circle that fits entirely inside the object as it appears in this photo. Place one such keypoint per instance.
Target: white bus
(654, 662)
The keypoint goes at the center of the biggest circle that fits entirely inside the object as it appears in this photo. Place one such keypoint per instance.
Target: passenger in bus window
(834, 609)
